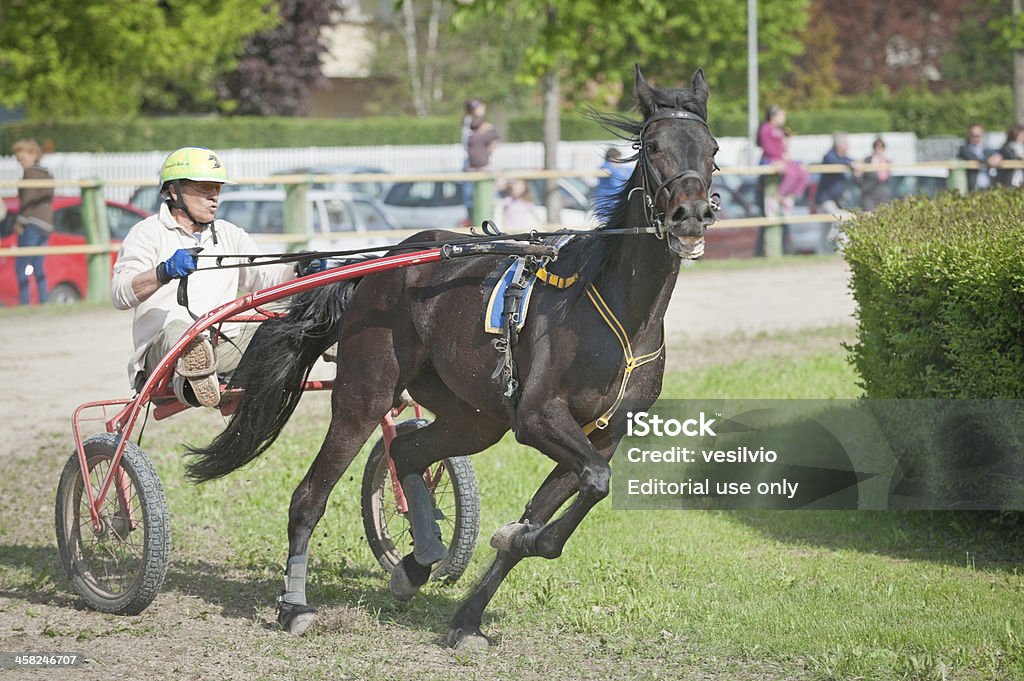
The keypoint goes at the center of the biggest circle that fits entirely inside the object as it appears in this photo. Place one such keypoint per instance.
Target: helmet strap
(175, 200)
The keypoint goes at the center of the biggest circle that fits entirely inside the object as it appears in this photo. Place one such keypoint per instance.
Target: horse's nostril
(679, 214)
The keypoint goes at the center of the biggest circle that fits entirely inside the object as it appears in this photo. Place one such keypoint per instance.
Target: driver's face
(201, 199)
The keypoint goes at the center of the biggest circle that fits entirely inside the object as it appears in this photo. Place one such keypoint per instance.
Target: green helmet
(193, 163)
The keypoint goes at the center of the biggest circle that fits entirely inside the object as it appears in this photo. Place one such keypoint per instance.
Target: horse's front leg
(552, 430)
(464, 632)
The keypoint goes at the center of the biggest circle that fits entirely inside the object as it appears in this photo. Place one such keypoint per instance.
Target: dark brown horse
(421, 329)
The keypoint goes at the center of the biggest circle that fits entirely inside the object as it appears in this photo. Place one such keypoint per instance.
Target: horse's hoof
(434, 552)
(402, 587)
(503, 538)
(295, 619)
(467, 640)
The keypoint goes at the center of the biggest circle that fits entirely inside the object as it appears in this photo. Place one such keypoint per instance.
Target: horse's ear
(699, 86)
(645, 95)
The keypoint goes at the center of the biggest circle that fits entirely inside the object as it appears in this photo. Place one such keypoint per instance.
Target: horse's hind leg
(457, 430)
(358, 403)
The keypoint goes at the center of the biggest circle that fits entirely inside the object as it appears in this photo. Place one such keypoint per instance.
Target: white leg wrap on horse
(295, 580)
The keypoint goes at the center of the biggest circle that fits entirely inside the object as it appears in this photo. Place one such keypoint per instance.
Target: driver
(163, 248)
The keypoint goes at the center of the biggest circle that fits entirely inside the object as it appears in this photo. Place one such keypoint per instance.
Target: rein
(534, 236)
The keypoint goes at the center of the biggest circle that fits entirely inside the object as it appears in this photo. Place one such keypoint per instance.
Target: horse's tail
(272, 371)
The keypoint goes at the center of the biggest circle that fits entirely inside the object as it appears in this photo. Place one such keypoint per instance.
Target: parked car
(373, 187)
(66, 275)
(335, 218)
(441, 204)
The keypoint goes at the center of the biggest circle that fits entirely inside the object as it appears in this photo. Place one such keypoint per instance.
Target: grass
(703, 595)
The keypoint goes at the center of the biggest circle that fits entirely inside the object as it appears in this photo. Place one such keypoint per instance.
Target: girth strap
(632, 361)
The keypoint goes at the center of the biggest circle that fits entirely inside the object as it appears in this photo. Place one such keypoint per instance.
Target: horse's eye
(652, 147)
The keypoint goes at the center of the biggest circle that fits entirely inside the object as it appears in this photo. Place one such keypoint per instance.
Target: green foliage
(530, 128)
(981, 53)
(63, 58)
(461, 67)
(947, 113)
(144, 134)
(600, 40)
(940, 289)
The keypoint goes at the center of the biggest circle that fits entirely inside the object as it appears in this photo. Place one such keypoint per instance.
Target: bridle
(650, 176)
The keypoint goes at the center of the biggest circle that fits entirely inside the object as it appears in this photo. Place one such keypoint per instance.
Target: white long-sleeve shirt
(153, 241)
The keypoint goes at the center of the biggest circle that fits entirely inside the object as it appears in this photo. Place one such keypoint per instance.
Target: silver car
(337, 220)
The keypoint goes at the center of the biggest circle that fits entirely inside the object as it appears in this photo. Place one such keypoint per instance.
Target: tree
(892, 43)
(581, 41)
(94, 58)
(429, 67)
(813, 78)
(279, 68)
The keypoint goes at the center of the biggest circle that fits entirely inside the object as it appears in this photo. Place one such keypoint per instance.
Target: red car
(66, 275)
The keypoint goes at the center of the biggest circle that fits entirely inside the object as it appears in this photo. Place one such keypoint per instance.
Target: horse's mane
(587, 255)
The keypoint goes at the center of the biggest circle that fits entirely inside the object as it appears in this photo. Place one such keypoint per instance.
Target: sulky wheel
(456, 504)
(118, 569)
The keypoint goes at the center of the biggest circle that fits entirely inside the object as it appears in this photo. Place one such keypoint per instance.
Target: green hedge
(939, 286)
(808, 122)
(940, 289)
(929, 114)
(921, 112)
(145, 134)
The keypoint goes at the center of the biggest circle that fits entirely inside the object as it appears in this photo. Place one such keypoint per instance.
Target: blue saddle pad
(496, 303)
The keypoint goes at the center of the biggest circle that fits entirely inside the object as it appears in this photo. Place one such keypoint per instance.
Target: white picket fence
(246, 163)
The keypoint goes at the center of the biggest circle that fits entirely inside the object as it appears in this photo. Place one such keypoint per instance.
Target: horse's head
(675, 160)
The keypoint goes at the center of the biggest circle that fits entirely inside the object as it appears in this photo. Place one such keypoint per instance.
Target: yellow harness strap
(632, 362)
(555, 280)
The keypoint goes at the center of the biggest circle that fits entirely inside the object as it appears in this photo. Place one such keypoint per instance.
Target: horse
(420, 329)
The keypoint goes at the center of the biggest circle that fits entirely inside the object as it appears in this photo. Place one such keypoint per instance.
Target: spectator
(162, 248)
(875, 183)
(780, 191)
(518, 211)
(974, 150)
(832, 186)
(794, 178)
(474, 108)
(609, 186)
(483, 139)
(1012, 150)
(34, 223)
(771, 135)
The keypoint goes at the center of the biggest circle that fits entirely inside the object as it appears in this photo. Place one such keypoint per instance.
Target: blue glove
(316, 265)
(181, 264)
(312, 267)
